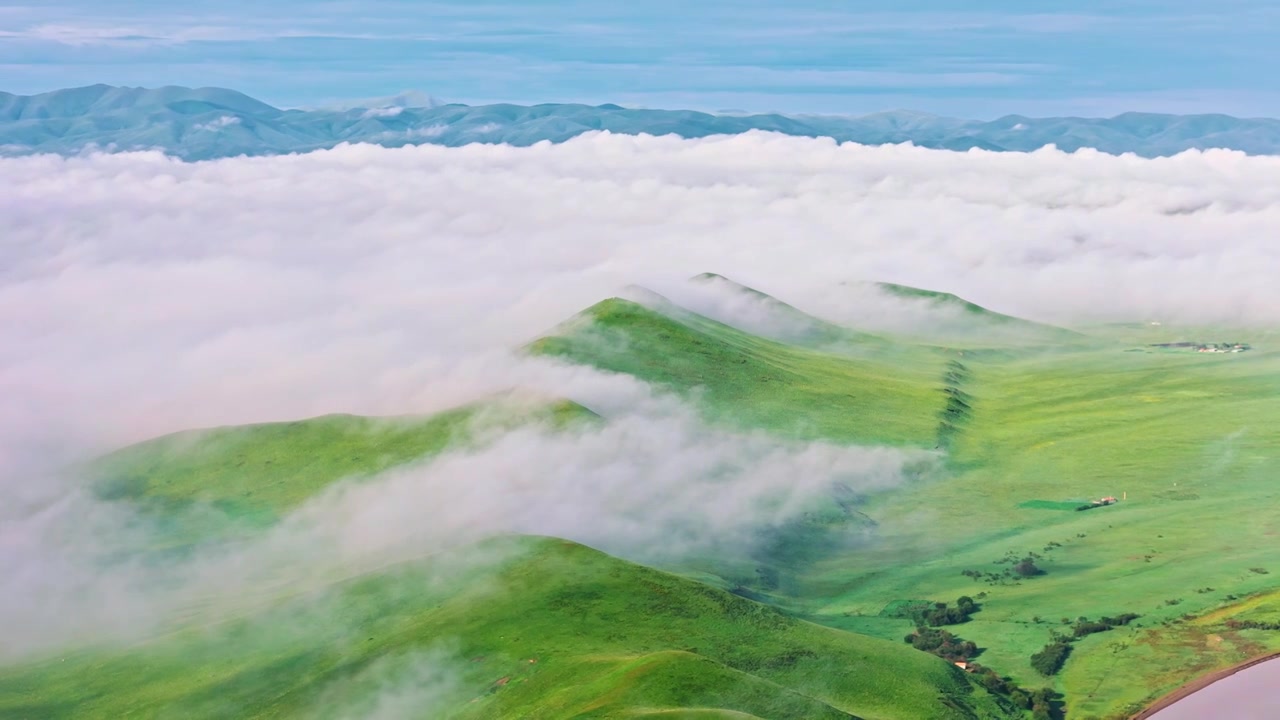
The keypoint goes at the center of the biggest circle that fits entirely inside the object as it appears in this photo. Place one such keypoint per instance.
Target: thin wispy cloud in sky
(988, 59)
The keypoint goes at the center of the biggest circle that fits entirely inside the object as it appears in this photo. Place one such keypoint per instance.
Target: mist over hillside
(205, 123)
(832, 346)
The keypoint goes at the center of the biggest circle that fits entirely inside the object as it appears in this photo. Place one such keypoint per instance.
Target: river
(1251, 694)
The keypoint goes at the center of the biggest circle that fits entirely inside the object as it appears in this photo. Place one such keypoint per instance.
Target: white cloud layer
(140, 295)
(654, 484)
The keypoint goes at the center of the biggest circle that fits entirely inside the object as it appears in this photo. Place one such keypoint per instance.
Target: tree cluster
(957, 410)
(1019, 568)
(1235, 624)
(1039, 702)
(1026, 567)
(942, 643)
(1084, 626)
(1048, 661)
(943, 614)
(939, 613)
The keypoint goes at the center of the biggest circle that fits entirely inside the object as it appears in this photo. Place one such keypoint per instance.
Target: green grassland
(1031, 425)
(554, 630)
(1187, 439)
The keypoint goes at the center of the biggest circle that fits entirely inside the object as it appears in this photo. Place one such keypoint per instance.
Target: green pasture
(1030, 426)
(1186, 439)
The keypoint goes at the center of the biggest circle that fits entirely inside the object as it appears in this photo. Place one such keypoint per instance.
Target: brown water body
(1249, 691)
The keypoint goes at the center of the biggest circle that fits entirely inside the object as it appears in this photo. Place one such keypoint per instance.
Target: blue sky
(979, 58)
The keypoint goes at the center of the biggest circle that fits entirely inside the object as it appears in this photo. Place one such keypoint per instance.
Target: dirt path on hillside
(1199, 684)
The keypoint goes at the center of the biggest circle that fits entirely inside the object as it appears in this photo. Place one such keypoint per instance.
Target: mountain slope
(944, 317)
(557, 630)
(181, 120)
(762, 314)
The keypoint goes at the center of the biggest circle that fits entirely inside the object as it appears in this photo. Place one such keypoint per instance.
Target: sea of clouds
(141, 295)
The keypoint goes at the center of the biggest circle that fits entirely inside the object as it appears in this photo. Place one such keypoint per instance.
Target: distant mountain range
(204, 123)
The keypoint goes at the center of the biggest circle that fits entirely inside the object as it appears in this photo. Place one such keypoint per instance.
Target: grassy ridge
(948, 299)
(946, 319)
(977, 318)
(756, 382)
(558, 630)
(248, 476)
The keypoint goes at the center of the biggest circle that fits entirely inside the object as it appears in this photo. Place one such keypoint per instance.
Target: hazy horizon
(397, 98)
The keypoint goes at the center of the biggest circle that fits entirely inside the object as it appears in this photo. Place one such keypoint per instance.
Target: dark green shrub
(1049, 660)
(1026, 567)
(942, 643)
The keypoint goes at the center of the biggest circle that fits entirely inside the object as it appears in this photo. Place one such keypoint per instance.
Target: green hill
(753, 381)
(1182, 439)
(201, 483)
(552, 630)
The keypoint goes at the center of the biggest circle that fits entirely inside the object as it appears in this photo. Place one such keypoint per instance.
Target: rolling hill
(543, 627)
(1181, 438)
(546, 629)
